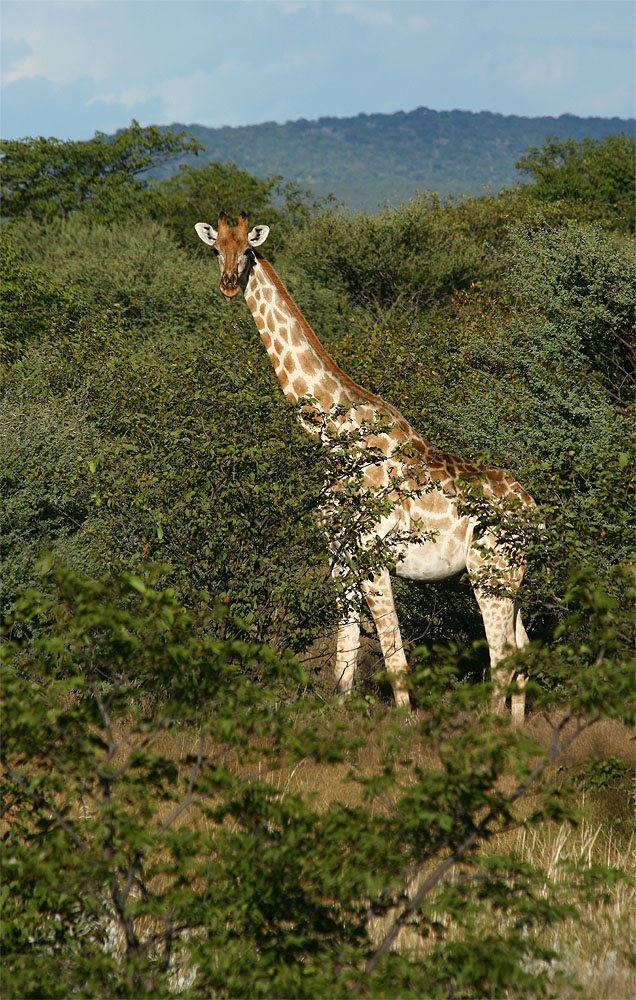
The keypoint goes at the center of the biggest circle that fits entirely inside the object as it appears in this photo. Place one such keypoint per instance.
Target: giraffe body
(440, 540)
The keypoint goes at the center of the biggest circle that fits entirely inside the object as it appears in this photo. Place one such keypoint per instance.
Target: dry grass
(596, 950)
(593, 950)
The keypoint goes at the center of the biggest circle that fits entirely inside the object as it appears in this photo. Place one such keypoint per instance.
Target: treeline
(163, 564)
(370, 160)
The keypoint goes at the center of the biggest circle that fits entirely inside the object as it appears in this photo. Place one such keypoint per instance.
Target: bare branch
(42, 803)
(556, 749)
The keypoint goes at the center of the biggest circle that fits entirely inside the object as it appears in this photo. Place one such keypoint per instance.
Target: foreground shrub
(153, 843)
(133, 267)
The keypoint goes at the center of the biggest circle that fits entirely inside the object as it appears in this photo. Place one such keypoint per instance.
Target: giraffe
(449, 541)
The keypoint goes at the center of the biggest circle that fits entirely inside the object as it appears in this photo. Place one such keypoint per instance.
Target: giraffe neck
(304, 368)
(302, 365)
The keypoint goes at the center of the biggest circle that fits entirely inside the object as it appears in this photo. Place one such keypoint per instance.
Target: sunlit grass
(592, 949)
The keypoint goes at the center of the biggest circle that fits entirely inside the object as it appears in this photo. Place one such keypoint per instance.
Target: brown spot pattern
(303, 355)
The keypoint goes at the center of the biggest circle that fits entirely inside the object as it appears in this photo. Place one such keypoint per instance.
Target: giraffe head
(232, 245)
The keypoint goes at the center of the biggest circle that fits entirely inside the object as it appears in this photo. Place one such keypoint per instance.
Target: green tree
(200, 194)
(43, 178)
(32, 303)
(598, 176)
(154, 842)
(183, 808)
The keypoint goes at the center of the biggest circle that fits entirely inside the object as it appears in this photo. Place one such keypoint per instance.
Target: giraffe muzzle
(229, 285)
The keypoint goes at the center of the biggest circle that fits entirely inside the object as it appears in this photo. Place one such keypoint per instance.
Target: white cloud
(544, 71)
(293, 7)
(183, 98)
(396, 16)
(15, 52)
(372, 14)
(66, 40)
(226, 94)
(418, 24)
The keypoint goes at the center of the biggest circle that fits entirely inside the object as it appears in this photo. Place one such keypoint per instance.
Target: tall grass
(594, 949)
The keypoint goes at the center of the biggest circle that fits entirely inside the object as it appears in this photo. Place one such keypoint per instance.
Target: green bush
(346, 272)
(133, 267)
(44, 454)
(399, 266)
(576, 281)
(594, 179)
(33, 303)
(198, 461)
(155, 843)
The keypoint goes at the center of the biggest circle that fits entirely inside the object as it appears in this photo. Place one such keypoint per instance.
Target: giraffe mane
(448, 466)
(360, 394)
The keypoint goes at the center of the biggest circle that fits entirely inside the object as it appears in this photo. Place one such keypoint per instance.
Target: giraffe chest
(444, 539)
(432, 560)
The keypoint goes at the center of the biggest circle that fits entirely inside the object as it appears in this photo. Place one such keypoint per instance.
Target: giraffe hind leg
(500, 624)
(503, 626)
(347, 636)
(518, 700)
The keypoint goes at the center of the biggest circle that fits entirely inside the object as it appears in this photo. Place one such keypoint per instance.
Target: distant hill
(369, 160)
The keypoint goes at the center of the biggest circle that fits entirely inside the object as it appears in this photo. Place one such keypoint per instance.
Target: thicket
(164, 566)
(45, 178)
(595, 176)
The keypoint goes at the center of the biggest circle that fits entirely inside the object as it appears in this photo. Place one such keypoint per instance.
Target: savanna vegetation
(369, 160)
(188, 810)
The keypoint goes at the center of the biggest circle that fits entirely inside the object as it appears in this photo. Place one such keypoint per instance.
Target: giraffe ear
(258, 235)
(206, 233)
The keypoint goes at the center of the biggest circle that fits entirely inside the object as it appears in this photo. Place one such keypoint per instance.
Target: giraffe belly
(432, 560)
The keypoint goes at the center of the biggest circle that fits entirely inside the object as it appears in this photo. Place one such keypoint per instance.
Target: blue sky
(71, 67)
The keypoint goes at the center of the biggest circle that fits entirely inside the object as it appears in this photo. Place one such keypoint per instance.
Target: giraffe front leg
(347, 647)
(379, 597)
(518, 701)
(347, 636)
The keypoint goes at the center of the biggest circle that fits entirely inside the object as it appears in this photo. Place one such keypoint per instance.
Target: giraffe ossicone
(438, 539)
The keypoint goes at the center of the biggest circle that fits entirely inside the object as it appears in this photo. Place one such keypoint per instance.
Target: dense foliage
(50, 177)
(187, 808)
(370, 160)
(596, 176)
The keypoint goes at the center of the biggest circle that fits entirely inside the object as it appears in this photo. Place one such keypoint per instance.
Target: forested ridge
(188, 808)
(369, 160)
